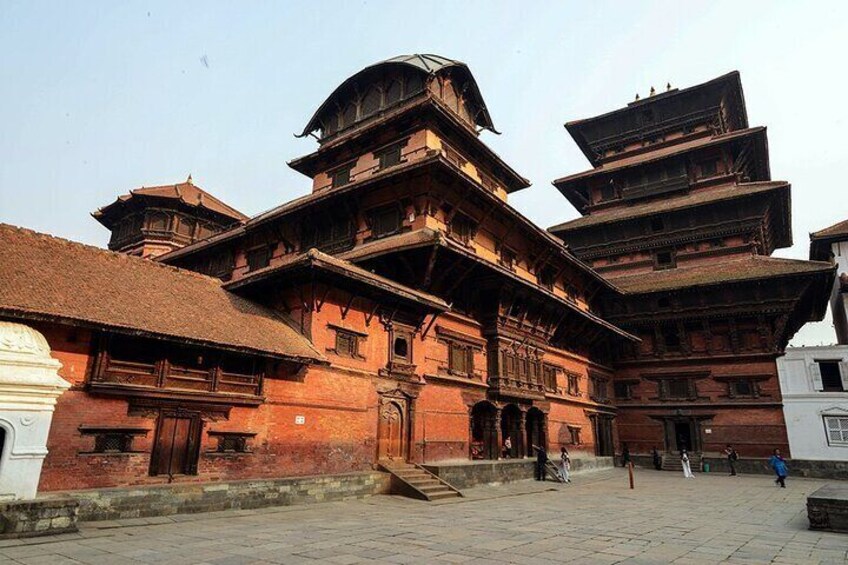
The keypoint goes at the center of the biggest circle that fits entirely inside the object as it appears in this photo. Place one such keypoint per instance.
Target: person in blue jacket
(779, 465)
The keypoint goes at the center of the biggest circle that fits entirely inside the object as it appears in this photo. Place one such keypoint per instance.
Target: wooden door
(390, 433)
(177, 444)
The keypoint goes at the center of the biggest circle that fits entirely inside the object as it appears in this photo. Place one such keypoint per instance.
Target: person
(779, 465)
(625, 455)
(687, 467)
(655, 455)
(507, 448)
(541, 459)
(565, 464)
(732, 456)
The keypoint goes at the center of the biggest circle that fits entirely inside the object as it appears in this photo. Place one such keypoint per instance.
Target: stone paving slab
(595, 520)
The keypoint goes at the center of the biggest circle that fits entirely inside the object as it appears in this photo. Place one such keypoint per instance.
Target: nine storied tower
(680, 212)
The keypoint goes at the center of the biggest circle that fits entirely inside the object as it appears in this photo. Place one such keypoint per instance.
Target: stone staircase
(414, 481)
(672, 462)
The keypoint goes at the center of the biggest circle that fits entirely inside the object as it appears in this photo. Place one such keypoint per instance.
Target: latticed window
(113, 442)
(508, 258)
(463, 228)
(549, 376)
(574, 432)
(621, 390)
(743, 387)
(678, 388)
(837, 430)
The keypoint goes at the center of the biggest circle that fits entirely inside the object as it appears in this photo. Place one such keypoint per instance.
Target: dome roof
(426, 64)
(21, 339)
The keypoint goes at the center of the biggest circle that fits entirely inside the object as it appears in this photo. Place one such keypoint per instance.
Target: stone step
(443, 495)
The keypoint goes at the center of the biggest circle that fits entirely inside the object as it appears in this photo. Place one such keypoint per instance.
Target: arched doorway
(536, 429)
(511, 428)
(484, 431)
(391, 442)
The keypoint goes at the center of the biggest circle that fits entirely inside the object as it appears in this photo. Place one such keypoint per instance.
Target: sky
(97, 97)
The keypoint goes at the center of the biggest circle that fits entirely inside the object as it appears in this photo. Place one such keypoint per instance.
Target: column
(522, 446)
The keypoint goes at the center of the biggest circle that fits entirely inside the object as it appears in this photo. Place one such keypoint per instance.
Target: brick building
(404, 311)
(681, 214)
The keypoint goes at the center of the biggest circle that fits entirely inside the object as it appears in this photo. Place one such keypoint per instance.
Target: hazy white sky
(101, 97)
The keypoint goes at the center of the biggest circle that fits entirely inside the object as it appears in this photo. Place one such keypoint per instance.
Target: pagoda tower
(681, 214)
(403, 188)
(153, 220)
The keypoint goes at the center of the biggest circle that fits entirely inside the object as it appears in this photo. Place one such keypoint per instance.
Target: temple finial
(188, 180)
(637, 96)
(653, 91)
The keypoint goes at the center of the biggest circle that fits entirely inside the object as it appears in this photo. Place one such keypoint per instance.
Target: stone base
(465, 474)
(749, 466)
(827, 508)
(187, 498)
(41, 517)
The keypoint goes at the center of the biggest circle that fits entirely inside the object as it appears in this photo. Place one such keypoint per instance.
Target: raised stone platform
(827, 508)
(39, 517)
(466, 474)
(187, 498)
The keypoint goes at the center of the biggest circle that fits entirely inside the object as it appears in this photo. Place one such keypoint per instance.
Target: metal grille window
(115, 442)
(837, 430)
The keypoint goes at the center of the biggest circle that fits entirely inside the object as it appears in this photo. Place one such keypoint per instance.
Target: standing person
(565, 464)
(507, 448)
(655, 455)
(625, 455)
(541, 459)
(732, 456)
(687, 467)
(779, 465)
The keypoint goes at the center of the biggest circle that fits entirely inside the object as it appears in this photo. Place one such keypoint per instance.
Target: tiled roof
(691, 200)
(748, 268)
(834, 231)
(323, 261)
(43, 277)
(185, 192)
(659, 154)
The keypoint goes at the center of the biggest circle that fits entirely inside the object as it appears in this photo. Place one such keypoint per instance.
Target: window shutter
(815, 374)
(843, 371)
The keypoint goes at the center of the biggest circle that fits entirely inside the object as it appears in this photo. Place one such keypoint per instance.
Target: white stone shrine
(29, 387)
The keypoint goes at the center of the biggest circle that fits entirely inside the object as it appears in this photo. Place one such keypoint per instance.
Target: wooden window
(621, 390)
(388, 157)
(507, 258)
(371, 101)
(678, 388)
(708, 168)
(608, 192)
(219, 265)
(546, 277)
(460, 359)
(599, 390)
(830, 376)
(341, 176)
(185, 226)
(487, 181)
(258, 258)
(657, 224)
(158, 221)
(347, 344)
(205, 230)
(452, 156)
(330, 234)
(549, 377)
(671, 339)
(743, 388)
(571, 293)
(386, 221)
(463, 228)
(574, 435)
(232, 442)
(837, 430)
(573, 384)
(401, 347)
(664, 260)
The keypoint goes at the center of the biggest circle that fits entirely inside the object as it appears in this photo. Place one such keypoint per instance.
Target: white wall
(805, 405)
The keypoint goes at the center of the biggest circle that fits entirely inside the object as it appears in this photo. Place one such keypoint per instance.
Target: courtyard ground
(597, 519)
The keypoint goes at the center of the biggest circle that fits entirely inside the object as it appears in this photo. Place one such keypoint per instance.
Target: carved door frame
(403, 402)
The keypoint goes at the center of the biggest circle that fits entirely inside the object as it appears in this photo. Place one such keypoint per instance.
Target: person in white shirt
(687, 467)
(565, 464)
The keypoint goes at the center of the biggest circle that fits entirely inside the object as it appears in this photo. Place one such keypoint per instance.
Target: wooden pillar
(523, 449)
(498, 433)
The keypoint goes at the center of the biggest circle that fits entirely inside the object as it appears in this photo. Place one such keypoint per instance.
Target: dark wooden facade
(681, 214)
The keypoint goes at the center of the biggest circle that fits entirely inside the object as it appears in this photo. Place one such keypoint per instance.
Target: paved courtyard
(597, 519)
